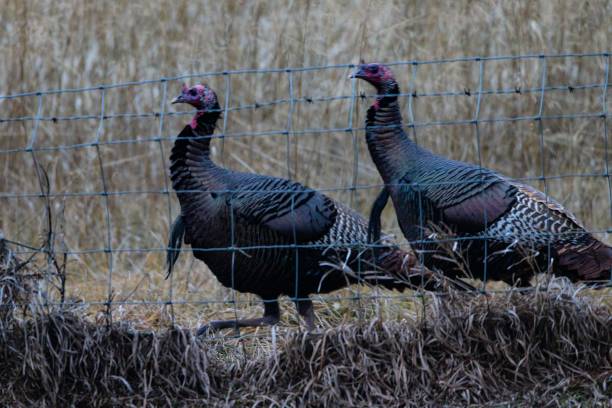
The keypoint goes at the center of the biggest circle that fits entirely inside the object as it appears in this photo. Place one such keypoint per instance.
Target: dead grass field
(70, 44)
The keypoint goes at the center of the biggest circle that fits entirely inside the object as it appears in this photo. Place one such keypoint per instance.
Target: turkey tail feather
(375, 214)
(593, 263)
(177, 233)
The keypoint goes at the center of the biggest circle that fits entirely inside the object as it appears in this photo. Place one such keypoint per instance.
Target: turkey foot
(271, 317)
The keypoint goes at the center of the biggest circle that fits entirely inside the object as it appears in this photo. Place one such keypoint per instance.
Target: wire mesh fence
(86, 189)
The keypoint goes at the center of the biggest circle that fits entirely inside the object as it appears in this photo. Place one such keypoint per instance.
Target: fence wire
(350, 129)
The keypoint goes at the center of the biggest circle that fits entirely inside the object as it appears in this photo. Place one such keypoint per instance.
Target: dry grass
(545, 348)
(67, 44)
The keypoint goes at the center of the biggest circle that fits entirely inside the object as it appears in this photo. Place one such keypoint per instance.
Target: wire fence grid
(40, 183)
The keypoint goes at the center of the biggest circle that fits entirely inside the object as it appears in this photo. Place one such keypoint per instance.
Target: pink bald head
(379, 75)
(201, 97)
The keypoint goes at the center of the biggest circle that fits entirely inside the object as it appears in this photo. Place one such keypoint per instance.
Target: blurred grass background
(68, 44)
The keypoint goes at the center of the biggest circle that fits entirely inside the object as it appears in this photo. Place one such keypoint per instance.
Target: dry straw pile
(549, 348)
(110, 42)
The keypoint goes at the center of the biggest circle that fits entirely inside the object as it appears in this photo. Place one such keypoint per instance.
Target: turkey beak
(178, 99)
(357, 74)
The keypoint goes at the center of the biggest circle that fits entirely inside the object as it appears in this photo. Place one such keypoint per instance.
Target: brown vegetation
(548, 347)
(545, 348)
(544, 342)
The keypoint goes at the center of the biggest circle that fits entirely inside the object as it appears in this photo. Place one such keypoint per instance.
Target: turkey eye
(193, 92)
(373, 69)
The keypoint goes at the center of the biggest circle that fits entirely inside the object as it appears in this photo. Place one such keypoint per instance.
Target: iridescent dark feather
(270, 236)
(503, 229)
(265, 211)
(287, 207)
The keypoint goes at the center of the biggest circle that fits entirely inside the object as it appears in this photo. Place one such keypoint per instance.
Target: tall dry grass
(68, 44)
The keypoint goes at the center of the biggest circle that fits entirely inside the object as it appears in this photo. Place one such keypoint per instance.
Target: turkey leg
(271, 317)
(306, 310)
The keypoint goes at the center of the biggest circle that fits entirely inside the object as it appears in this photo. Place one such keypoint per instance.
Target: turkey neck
(213, 178)
(205, 124)
(393, 153)
(191, 152)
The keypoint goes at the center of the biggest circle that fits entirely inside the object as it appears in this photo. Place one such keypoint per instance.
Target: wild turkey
(525, 230)
(283, 233)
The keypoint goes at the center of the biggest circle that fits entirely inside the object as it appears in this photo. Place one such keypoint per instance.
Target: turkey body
(502, 229)
(271, 236)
